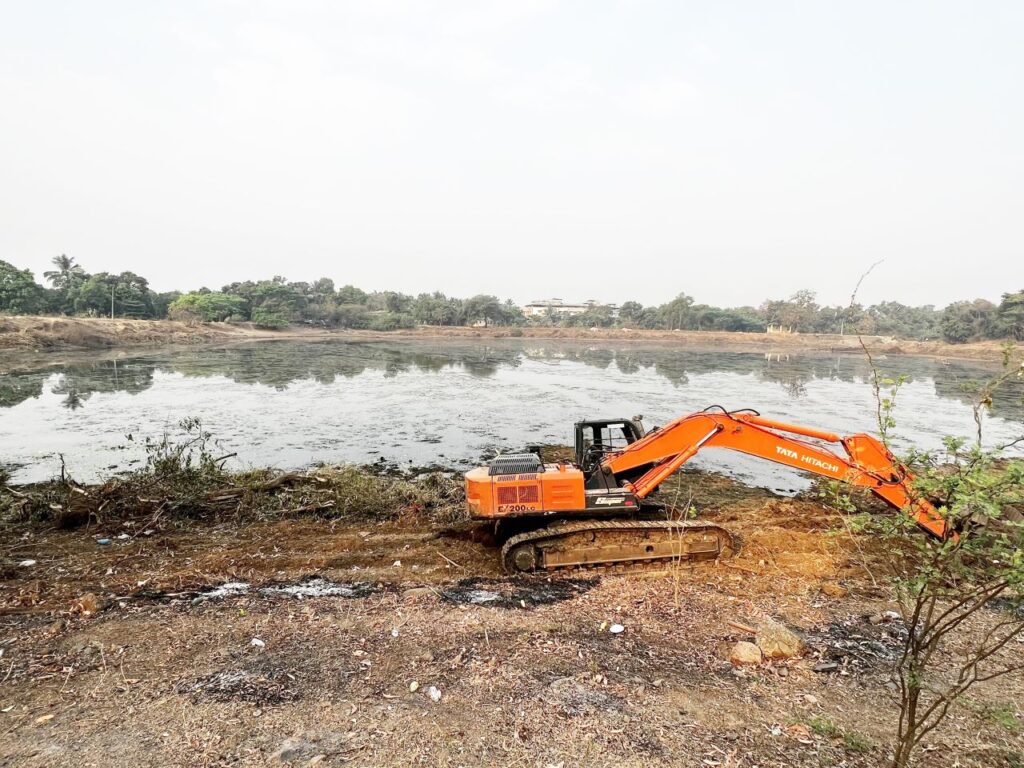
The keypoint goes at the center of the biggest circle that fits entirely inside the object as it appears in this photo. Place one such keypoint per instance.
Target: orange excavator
(597, 511)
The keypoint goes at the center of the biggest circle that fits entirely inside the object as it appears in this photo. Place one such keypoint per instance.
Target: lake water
(450, 402)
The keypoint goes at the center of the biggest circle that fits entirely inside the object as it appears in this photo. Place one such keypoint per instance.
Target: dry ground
(32, 334)
(114, 655)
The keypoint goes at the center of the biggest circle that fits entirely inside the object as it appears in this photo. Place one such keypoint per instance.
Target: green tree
(630, 312)
(1011, 315)
(206, 307)
(891, 318)
(967, 320)
(349, 294)
(799, 312)
(19, 292)
(942, 587)
(485, 309)
(126, 295)
(677, 314)
(66, 279)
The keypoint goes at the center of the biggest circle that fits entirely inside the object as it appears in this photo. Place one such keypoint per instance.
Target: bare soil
(128, 654)
(33, 334)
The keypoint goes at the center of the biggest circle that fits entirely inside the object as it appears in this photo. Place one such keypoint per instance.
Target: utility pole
(111, 302)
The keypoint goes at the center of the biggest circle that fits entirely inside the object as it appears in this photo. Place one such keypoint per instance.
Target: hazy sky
(615, 150)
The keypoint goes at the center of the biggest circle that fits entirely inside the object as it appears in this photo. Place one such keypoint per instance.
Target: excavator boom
(867, 463)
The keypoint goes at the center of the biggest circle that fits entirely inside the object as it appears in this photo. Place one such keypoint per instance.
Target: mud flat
(275, 628)
(34, 334)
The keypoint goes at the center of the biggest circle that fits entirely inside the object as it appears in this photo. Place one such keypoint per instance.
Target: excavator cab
(596, 439)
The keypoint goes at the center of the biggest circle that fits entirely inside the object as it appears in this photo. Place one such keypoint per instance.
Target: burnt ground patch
(514, 593)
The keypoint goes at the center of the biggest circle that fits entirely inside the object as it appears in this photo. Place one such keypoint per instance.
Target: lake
(450, 402)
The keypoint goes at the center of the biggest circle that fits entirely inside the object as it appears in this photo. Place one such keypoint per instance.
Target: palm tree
(66, 274)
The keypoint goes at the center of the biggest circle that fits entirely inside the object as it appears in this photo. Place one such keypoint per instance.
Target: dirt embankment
(53, 333)
(354, 638)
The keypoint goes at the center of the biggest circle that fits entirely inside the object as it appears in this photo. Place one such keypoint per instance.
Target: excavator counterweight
(596, 511)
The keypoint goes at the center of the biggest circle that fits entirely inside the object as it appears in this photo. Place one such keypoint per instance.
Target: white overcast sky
(614, 150)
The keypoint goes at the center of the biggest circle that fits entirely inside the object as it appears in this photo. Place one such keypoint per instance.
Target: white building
(542, 307)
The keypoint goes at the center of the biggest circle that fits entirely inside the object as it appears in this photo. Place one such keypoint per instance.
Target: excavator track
(616, 544)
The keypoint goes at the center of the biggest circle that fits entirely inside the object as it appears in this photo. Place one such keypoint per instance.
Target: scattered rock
(826, 666)
(414, 686)
(884, 617)
(87, 605)
(257, 643)
(434, 693)
(745, 653)
(777, 642)
(27, 563)
(832, 589)
(575, 699)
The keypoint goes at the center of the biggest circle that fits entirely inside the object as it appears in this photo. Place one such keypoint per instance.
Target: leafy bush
(208, 307)
(389, 321)
(264, 318)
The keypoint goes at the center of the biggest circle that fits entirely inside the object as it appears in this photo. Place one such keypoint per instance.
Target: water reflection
(280, 364)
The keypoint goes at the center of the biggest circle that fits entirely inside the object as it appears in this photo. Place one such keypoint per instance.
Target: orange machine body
(621, 478)
(558, 488)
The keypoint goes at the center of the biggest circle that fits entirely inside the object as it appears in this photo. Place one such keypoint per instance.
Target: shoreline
(41, 337)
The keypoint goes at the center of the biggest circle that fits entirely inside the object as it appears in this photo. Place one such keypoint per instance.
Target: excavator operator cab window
(596, 438)
(610, 437)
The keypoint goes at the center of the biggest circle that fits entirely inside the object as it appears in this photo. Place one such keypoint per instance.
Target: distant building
(542, 307)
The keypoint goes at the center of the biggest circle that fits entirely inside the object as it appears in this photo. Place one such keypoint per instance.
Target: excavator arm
(867, 463)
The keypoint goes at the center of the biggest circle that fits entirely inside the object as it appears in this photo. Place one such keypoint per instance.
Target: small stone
(826, 666)
(745, 653)
(810, 699)
(257, 643)
(414, 686)
(397, 564)
(658, 683)
(87, 604)
(434, 694)
(777, 642)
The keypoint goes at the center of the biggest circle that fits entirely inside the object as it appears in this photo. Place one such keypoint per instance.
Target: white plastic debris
(434, 693)
(616, 629)
(394, 632)
(257, 643)
(398, 564)
(27, 563)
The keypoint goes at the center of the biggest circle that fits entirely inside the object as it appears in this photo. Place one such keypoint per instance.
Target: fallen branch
(742, 627)
(449, 560)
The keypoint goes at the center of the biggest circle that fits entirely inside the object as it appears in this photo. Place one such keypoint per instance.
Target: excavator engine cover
(520, 484)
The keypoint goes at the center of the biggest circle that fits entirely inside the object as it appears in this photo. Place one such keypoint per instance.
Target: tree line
(277, 303)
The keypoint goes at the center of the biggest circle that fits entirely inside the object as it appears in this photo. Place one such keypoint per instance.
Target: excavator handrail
(868, 462)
